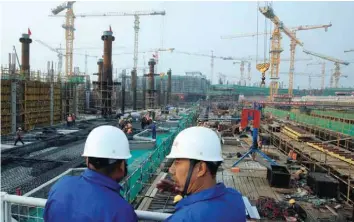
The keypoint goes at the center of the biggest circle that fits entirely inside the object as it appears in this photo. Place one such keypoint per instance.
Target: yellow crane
(69, 33)
(69, 26)
(276, 49)
(337, 63)
(243, 62)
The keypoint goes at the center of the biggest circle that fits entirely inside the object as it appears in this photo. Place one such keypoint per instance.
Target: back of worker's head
(106, 151)
(197, 154)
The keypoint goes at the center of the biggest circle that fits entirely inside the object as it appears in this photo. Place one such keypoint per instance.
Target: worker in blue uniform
(197, 155)
(95, 194)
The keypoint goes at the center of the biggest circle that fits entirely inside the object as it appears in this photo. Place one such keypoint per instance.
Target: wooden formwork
(5, 107)
(36, 104)
(57, 112)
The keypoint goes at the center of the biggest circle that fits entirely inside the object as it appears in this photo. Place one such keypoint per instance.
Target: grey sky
(187, 26)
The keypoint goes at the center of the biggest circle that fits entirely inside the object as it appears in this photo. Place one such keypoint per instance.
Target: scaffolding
(40, 100)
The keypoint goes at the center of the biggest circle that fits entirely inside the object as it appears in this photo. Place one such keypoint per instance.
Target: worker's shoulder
(65, 180)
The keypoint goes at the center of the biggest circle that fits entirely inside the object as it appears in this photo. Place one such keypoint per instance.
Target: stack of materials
(296, 133)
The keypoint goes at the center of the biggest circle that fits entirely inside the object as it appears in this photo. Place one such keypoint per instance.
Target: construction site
(281, 145)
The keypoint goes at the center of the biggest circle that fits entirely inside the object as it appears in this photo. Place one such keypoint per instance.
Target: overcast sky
(187, 26)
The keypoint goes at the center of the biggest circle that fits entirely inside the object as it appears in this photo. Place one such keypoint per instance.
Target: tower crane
(268, 12)
(69, 33)
(310, 75)
(323, 64)
(212, 57)
(156, 51)
(337, 63)
(136, 15)
(242, 63)
(59, 54)
(350, 50)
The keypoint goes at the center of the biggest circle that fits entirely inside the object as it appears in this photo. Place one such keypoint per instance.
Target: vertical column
(13, 106)
(100, 69)
(51, 103)
(123, 91)
(150, 97)
(25, 55)
(134, 86)
(107, 80)
(169, 85)
(144, 90)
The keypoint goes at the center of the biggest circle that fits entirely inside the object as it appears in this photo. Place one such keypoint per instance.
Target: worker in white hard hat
(95, 194)
(197, 154)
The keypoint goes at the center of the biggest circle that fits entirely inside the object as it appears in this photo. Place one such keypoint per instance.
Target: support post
(13, 106)
(51, 103)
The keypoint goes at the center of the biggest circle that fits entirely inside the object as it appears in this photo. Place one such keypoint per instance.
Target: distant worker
(69, 120)
(197, 156)
(19, 136)
(95, 194)
(74, 118)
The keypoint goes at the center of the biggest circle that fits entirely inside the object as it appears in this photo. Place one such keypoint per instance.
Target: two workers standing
(95, 195)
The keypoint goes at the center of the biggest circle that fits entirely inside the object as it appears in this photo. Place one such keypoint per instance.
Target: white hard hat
(107, 142)
(199, 143)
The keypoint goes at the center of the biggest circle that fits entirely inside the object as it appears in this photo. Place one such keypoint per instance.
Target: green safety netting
(341, 127)
(133, 184)
(343, 115)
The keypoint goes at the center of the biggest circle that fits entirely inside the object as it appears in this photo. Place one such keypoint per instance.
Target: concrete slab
(10, 146)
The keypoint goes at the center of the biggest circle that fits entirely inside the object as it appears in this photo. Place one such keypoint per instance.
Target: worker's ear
(202, 169)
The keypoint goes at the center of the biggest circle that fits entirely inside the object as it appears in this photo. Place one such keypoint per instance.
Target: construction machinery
(212, 57)
(69, 33)
(60, 56)
(293, 44)
(268, 12)
(337, 63)
(56, 50)
(350, 50)
(311, 75)
(70, 25)
(323, 64)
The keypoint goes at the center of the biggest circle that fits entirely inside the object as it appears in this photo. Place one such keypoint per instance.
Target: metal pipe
(107, 80)
(25, 55)
(40, 202)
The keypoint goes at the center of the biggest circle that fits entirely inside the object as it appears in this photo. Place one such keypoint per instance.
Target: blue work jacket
(218, 203)
(89, 197)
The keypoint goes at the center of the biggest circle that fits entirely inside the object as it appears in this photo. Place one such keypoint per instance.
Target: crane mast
(337, 63)
(268, 12)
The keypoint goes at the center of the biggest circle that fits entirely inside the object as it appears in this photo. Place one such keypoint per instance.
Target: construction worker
(197, 155)
(18, 137)
(95, 194)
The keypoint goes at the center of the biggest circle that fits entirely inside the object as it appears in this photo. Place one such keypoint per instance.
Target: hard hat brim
(171, 156)
(115, 158)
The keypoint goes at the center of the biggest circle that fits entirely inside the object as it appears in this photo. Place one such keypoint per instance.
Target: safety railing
(29, 209)
(134, 183)
(336, 126)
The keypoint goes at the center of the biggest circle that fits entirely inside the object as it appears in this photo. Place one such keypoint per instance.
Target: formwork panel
(36, 104)
(57, 112)
(5, 107)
